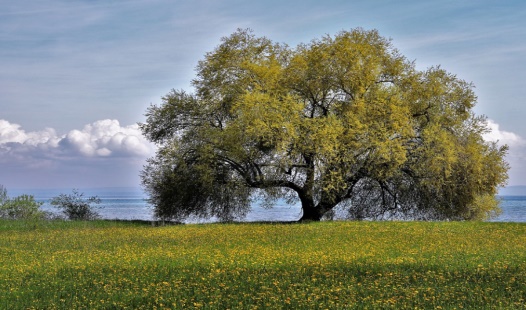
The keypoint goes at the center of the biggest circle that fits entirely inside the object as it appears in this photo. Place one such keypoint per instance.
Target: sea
(125, 203)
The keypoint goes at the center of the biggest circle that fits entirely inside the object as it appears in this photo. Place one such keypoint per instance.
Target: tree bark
(313, 212)
(310, 213)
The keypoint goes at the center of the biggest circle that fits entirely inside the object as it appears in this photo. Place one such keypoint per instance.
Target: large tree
(344, 121)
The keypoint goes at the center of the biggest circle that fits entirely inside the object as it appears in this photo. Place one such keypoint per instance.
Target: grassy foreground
(328, 265)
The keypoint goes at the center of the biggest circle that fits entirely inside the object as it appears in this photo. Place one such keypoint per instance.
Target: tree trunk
(310, 213)
(315, 213)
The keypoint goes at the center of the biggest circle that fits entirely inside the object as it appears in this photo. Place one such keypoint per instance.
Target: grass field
(328, 265)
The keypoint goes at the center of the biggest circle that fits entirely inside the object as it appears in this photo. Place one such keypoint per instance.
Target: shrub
(75, 206)
(23, 207)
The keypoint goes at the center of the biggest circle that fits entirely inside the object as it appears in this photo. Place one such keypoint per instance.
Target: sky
(76, 76)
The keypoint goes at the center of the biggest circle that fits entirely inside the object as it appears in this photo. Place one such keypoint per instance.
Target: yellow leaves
(267, 119)
(439, 153)
(483, 207)
(321, 136)
(264, 75)
(463, 169)
(325, 115)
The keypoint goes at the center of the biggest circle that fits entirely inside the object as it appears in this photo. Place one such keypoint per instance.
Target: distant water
(513, 209)
(130, 203)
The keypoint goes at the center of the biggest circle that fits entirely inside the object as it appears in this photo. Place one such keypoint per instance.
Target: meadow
(326, 265)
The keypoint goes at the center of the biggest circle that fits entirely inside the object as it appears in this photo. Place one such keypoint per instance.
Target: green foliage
(172, 183)
(23, 207)
(75, 206)
(343, 121)
(336, 265)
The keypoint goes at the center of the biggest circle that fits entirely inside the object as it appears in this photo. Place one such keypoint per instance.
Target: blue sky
(76, 76)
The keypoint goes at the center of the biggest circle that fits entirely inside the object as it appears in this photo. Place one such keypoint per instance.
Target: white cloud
(105, 138)
(12, 133)
(503, 137)
(102, 138)
(102, 153)
(517, 151)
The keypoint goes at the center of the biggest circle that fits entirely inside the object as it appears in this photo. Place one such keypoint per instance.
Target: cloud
(516, 156)
(103, 153)
(12, 133)
(503, 137)
(104, 138)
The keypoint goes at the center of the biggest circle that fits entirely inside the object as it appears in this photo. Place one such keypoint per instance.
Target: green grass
(328, 265)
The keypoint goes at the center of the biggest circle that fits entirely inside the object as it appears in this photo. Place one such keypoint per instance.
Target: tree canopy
(343, 122)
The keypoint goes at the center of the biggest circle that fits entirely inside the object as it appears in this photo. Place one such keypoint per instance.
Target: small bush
(23, 207)
(76, 207)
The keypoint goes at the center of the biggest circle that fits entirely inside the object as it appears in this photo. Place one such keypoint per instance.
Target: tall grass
(328, 265)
